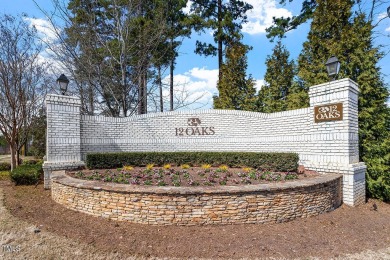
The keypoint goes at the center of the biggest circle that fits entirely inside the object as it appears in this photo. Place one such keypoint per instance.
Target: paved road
(7, 157)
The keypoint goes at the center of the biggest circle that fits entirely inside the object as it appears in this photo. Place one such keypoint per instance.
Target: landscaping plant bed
(186, 176)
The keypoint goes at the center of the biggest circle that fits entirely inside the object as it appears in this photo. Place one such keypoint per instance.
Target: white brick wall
(234, 130)
(326, 147)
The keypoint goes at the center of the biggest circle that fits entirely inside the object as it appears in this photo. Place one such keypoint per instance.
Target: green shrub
(27, 174)
(5, 166)
(283, 162)
(380, 188)
(32, 162)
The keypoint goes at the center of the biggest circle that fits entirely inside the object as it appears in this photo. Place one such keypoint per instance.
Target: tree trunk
(161, 90)
(140, 94)
(145, 92)
(18, 148)
(17, 158)
(171, 67)
(13, 156)
(220, 53)
(90, 100)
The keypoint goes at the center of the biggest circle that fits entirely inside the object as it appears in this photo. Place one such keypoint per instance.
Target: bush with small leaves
(27, 174)
(4, 166)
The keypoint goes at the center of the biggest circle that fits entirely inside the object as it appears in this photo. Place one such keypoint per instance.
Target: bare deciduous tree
(22, 78)
(108, 52)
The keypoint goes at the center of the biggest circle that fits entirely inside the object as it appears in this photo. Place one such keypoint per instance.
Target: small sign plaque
(330, 112)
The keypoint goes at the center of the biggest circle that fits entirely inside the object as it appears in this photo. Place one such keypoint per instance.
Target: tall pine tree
(236, 90)
(374, 115)
(224, 19)
(177, 28)
(331, 22)
(334, 31)
(279, 77)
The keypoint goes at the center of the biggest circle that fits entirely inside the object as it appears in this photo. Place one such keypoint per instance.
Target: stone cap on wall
(301, 111)
(62, 100)
(62, 165)
(341, 84)
(64, 179)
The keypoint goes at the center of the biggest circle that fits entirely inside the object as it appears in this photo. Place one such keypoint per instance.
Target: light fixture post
(63, 82)
(333, 67)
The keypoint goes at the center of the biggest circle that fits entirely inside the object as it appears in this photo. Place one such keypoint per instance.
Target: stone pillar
(63, 141)
(334, 136)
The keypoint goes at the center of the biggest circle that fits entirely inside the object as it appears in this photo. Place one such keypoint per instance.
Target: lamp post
(63, 82)
(333, 67)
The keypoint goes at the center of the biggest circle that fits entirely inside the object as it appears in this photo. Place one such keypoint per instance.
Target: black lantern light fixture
(333, 67)
(63, 82)
(388, 11)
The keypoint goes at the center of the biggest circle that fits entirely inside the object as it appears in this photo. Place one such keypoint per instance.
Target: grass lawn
(7, 158)
(4, 175)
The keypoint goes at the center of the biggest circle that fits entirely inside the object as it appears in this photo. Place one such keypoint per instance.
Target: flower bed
(187, 176)
(272, 202)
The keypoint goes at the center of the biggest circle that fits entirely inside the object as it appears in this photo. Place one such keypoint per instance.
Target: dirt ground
(347, 233)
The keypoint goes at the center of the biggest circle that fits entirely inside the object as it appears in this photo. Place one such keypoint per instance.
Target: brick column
(335, 143)
(63, 135)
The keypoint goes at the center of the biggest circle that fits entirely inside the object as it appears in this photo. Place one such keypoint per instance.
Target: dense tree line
(336, 30)
(116, 51)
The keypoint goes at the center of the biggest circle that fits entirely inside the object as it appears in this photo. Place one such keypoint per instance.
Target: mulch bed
(345, 230)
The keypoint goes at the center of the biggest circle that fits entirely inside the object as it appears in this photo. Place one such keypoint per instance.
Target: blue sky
(198, 74)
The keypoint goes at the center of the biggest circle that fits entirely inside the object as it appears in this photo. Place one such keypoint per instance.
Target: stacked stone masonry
(265, 203)
(327, 147)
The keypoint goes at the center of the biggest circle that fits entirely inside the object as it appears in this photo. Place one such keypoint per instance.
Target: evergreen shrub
(4, 166)
(27, 174)
(283, 162)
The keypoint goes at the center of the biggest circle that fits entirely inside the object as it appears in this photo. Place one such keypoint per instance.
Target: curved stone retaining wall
(263, 203)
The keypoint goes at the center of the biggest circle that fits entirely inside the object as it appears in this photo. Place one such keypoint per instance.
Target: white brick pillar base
(63, 143)
(354, 185)
(335, 144)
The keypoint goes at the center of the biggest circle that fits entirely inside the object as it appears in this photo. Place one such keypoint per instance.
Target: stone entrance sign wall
(325, 135)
